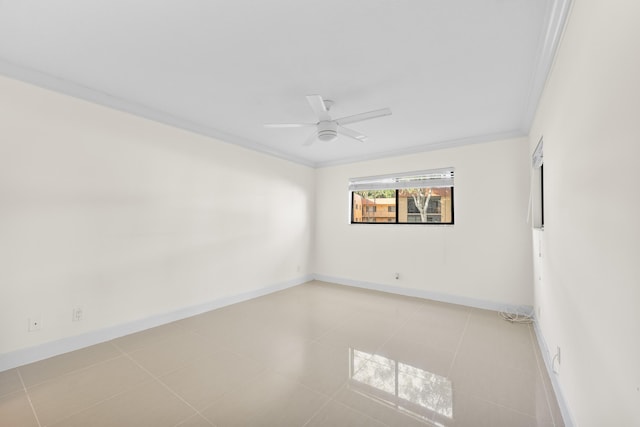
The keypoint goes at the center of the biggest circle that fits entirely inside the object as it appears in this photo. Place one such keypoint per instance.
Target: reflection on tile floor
(313, 355)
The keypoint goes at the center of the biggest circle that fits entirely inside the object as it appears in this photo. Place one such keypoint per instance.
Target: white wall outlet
(396, 276)
(78, 313)
(35, 323)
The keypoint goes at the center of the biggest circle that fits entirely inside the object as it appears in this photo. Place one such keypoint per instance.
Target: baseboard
(436, 296)
(546, 357)
(54, 348)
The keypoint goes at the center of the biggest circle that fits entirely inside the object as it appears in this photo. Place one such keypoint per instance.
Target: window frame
(396, 222)
(536, 192)
(542, 195)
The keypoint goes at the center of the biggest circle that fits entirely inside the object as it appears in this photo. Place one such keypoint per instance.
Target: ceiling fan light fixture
(327, 130)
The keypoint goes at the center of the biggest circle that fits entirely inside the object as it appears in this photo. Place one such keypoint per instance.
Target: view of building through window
(403, 206)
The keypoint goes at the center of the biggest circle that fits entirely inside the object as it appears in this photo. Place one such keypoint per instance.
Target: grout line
(197, 412)
(357, 411)
(484, 399)
(330, 398)
(117, 347)
(93, 405)
(455, 354)
(541, 373)
(324, 405)
(181, 422)
(508, 408)
(157, 380)
(33, 409)
(345, 384)
(108, 359)
(102, 400)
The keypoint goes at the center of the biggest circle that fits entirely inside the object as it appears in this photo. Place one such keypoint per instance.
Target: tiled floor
(313, 355)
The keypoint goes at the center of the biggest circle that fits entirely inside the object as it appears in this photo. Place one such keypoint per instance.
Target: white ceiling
(452, 71)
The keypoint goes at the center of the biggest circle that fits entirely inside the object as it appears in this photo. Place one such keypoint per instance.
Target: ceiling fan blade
(364, 116)
(352, 134)
(317, 105)
(312, 138)
(288, 125)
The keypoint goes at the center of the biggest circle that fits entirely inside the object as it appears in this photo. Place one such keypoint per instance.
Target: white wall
(484, 257)
(589, 292)
(132, 219)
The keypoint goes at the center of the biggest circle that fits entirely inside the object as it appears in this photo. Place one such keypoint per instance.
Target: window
(542, 195)
(424, 197)
(536, 197)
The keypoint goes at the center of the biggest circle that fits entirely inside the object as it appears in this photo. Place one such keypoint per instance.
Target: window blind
(538, 157)
(433, 178)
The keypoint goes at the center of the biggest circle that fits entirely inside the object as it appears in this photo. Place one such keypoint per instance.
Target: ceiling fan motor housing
(327, 130)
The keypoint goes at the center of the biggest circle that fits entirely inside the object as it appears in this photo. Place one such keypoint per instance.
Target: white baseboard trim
(546, 357)
(54, 348)
(436, 296)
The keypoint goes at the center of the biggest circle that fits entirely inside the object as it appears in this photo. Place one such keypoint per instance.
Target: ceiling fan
(327, 129)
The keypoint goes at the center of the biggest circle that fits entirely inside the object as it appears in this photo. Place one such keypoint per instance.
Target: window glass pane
(425, 205)
(374, 206)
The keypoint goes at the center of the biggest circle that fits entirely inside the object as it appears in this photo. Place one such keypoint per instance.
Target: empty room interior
(320, 213)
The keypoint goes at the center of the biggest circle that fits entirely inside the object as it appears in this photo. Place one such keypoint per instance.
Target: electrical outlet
(78, 314)
(397, 276)
(35, 323)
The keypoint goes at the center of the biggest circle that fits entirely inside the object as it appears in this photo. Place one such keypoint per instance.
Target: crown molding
(549, 41)
(49, 82)
(433, 146)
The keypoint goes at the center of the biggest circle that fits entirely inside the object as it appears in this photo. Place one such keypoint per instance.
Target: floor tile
(43, 370)
(139, 340)
(217, 319)
(62, 396)
(518, 390)
(207, 379)
(147, 405)
(315, 354)
(469, 411)
(383, 406)
(178, 350)
(554, 407)
(270, 400)
(265, 344)
(10, 382)
(195, 421)
(446, 336)
(367, 334)
(426, 357)
(16, 411)
(335, 414)
(321, 367)
(493, 340)
(555, 412)
(308, 323)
